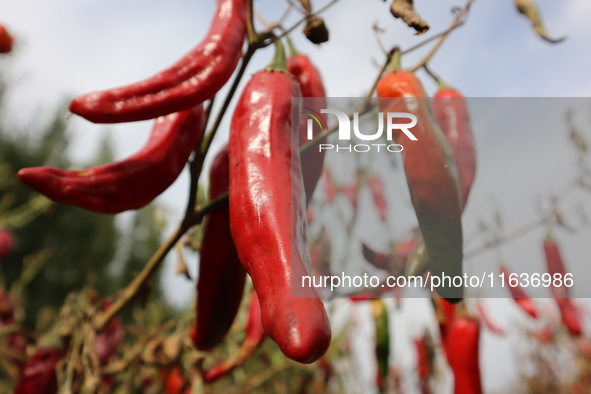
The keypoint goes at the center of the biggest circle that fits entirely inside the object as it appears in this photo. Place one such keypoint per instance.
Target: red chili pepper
(17, 342)
(445, 312)
(376, 186)
(267, 212)
(555, 266)
(109, 339)
(311, 85)
(519, 295)
(431, 174)
(254, 336)
(378, 260)
(461, 344)
(221, 276)
(127, 184)
(192, 80)
(488, 322)
(7, 242)
(6, 40)
(451, 113)
(39, 374)
(174, 381)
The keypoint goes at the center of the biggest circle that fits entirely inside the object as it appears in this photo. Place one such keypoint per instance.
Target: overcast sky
(69, 47)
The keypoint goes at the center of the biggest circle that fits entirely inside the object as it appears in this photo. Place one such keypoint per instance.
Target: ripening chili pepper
(376, 186)
(174, 381)
(253, 338)
(221, 276)
(108, 340)
(382, 341)
(7, 242)
(519, 295)
(6, 40)
(431, 174)
(268, 212)
(192, 80)
(131, 183)
(488, 322)
(311, 85)
(39, 374)
(452, 116)
(461, 344)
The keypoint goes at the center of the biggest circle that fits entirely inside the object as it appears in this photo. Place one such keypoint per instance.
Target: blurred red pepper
(311, 85)
(488, 322)
(376, 186)
(174, 381)
(131, 183)
(109, 339)
(39, 374)
(6, 40)
(425, 358)
(268, 212)
(17, 342)
(519, 295)
(192, 80)
(254, 336)
(451, 113)
(221, 276)
(7, 242)
(431, 174)
(461, 345)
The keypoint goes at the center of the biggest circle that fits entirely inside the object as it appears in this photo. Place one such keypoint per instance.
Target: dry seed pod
(530, 9)
(405, 10)
(316, 30)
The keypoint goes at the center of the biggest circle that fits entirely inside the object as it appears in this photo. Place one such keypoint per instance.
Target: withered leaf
(530, 9)
(404, 9)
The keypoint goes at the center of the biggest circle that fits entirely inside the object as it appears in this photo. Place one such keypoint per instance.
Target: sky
(68, 47)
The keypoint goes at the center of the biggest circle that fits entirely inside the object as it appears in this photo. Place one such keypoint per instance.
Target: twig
(457, 22)
(302, 20)
(377, 30)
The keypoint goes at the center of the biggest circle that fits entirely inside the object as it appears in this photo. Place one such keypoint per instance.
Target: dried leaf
(530, 9)
(181, 264)
(404, 9)
(316, 31)
(579, 140)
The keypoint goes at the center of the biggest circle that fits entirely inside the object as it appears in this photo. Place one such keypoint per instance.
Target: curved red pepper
(131, 183)
(461, 349)
(221, 276)
(431, 175)
(311, 85)
(7, 243)
(192, 80)
(268, 212)
(519, 295)
(254, 336)
(451, 113)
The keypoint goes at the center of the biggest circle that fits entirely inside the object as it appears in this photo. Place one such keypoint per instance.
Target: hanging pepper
(254, 336)
(6, 40)
(488, 322)
(382, 342)
(555, 266)
(131, 183)
(519, 295)
(451, 113)
(376, 187)
(267, 212)
(7, 242)
(311, 85)
(39, 374)
(221, 276)
(461, 344)
(431, 174)
(192, 80)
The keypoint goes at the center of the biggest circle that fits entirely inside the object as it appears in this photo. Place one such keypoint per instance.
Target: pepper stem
(292, 49)
(440, 82)
(395, 61)
(279, 62)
